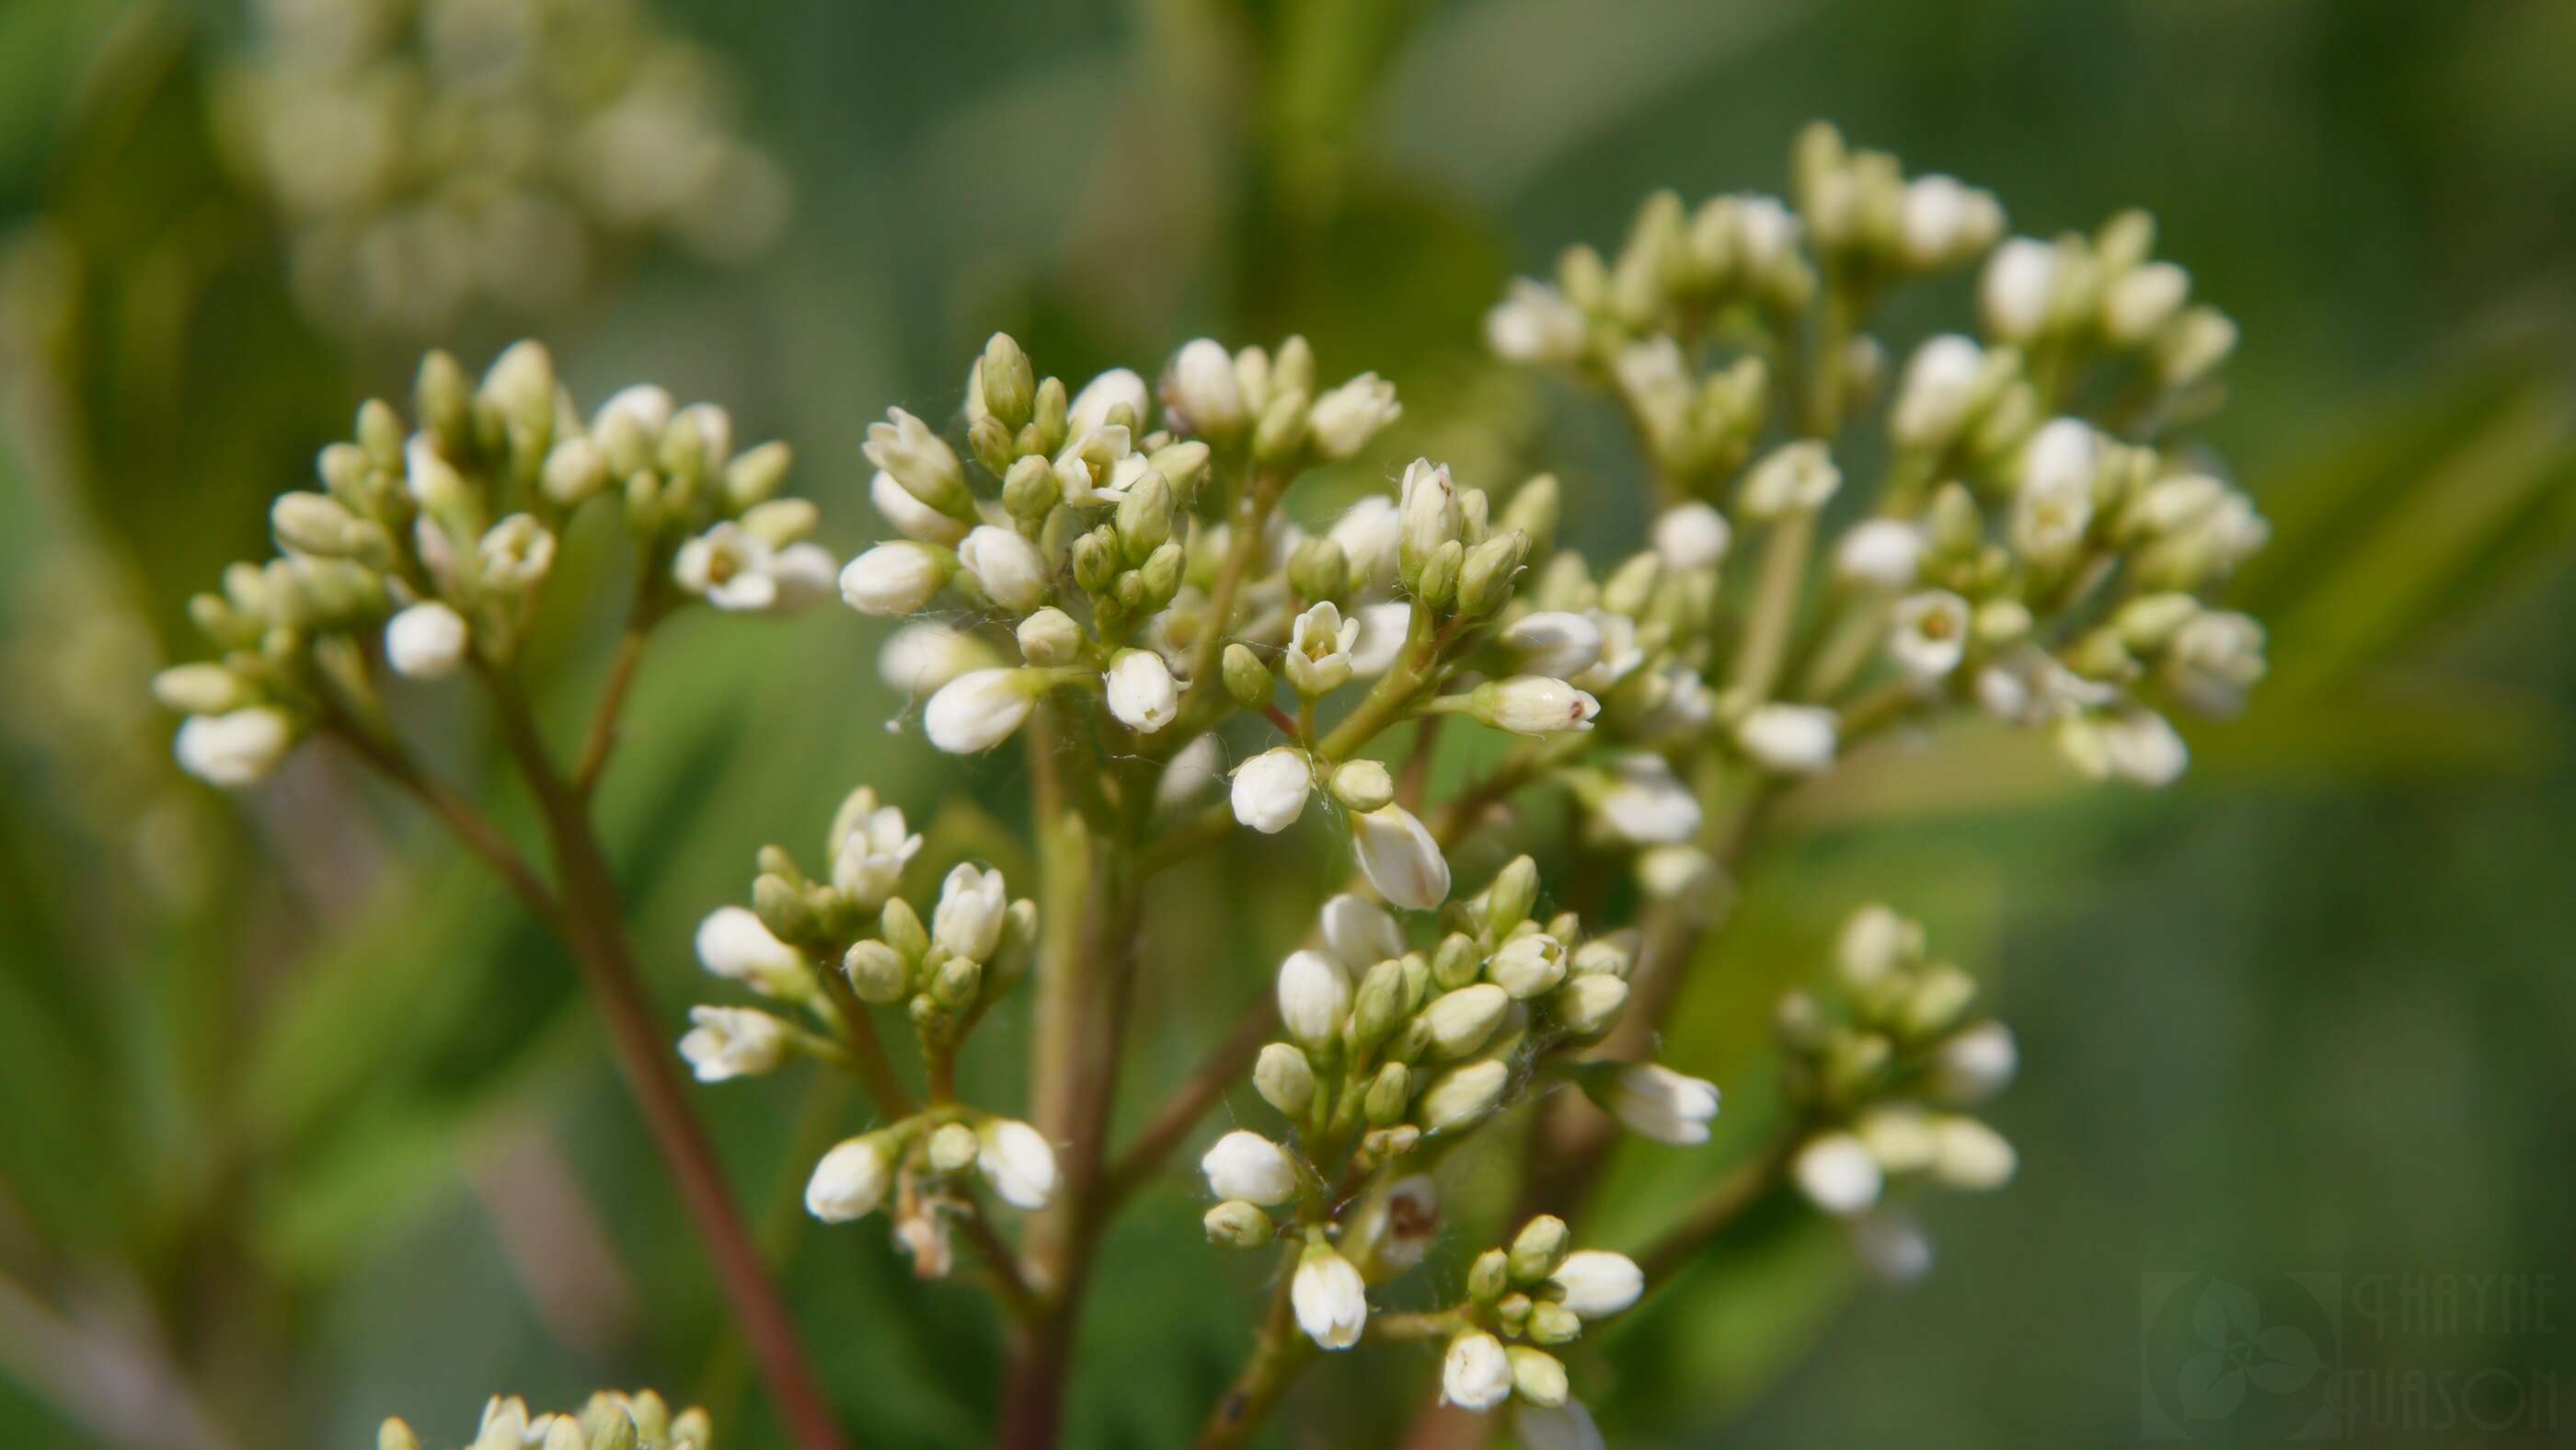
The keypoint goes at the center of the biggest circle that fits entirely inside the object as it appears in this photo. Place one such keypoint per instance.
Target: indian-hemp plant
(1111, 576)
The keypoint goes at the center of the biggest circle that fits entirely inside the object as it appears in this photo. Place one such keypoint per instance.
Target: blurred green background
(302, 1125)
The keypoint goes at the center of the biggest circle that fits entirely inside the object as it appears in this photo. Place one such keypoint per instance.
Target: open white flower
(1318, 658)
(1270, 789)
(1329, 1297)
(978, 710)
(1399, 858)
(426, 641)
(236, 748)
(1597, 1283)
(733, 944)
(1142, 693)
(1008, 568)
(731, 1042)
(1476, 1375)
(1656, 1102)
(1250, 1167)
(1344, 419)
(850, 1181)
(1016, 1159)
(728, 566)
(1790, 739)
(972, 908)
(1927, 634)
(1528, 965)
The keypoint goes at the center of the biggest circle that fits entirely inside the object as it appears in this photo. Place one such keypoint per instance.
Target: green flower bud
(1439, 583)
(952, 1148)
(1536, 510)
(1509, 899)
(1145, 516)
(877, 972)
(1280, 435)
(1047, 415)
(1553, 1323)
(1489, 1277)
(1456, 962)
(991, 443)
(1247, 679)
(200, 689)
(395, 1435)
(1938, 998)
(1364, 785)
(1183, 464)
(902, 930)
(1096, 562)
(956, 982)
(312, 523)
(1485, 580)
(1284, 1079)
(1538, 1376)
(443, 397)
(1030, 490)
(1539, 1248)
(1160, 575)
(1589, 1004)
(1630, 589)
(1389, 1093)
(1050, 637)
(1318, 569)
(1378, 1007)
(1010, 384)
(1235, 1224)
(1458, 1023)
(781, 906)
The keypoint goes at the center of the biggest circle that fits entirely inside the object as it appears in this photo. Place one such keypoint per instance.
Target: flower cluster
(840, 945)
(1882, 1070)
(610, 1421)
(427, 550)
(432, 156)
(1538, 1292)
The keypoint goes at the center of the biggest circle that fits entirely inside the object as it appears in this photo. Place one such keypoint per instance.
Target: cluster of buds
(1883, 1067)
(427, 549)
(2105, 295)
(1521, 1301)
(610, 1421)
(435, 156)
(1097, 551)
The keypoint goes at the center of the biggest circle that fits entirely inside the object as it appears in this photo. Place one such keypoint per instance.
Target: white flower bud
(1534, 324)
(896, 578)
(1141, 692)
(972, 907)
(1250, 1167)
(1598, 1283)
(1089, 411)
(1008, 568)
(236, 748)
(1659, 1103)
(1835, 1171)
(1941, 222)
(1383, 628)
(2054, 504)
(1270, 789)
(1789, 739)
(2016, 292)
(1875, 942)
(734, 945)
(1016, 1159)
(1692, 536)
(1566, 1427)
(850, 1181)
(426, 641)
(1646, 803)
(1968, 1154)
(1343, 420)
(1975, 1063)
(2143, 300)
(1476, 1375)
(1463, 1096)
(1534, 705)
(910, 516)
(1460, 1021)
(1329, 1297)
(1359, 932)
(1936, 391)
(1284, 1078)
(645, 405)
(1049, 637)
(2214, 659)
(1318, 658)
(1793, 478)
(1195, 768)
(1892, 1245)
(800, 577)
(1591, 1002)
(2142, 747)
(978, 710)
(1370, 534)
(920, 658)
(1554, 642)
(1203, 390)
(731, 1042)
(1314, 997)
(1400, 859)
(1899, 1136)
(1429, 511)
(1527, 965)
(1927, 634)
(869, 858)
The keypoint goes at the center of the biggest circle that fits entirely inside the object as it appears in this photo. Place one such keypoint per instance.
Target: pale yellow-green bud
(1378, 1007)
(1513, 893)
(1050, 637)
(1485, 578)
(395, 1435)
(200, 689)
(1247, 679)
(1535, 510)
(1363, 785)
(1539, 1377)
(956, 982)
(1319, 569)
(1010, 383)
(1438, 584)
(1456, 961)
(902, 930)
(1553, 1323)
(1235, 1224)
(1145, 516)
(1284, 1079)
(878, 973)
(1489, 1276)
(952, 1149)
(1539, 1248)
(1388, 1095)
(1031, 490)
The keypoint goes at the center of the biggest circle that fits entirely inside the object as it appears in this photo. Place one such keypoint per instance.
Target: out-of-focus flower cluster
(435, 155)
(427, 549)
(610, 1421)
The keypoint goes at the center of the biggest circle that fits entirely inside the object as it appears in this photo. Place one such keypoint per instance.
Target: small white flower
(1346, 418)
(1009, 569)
(1089, 411)
(1202, 388)
(910, 516)
(2142, 747)
(972, 907)
(1270, 789)
(919, 658)
(869, 860)
(1934, 395)
(1250, 1167)
(1383, 628)
(1790, 739)
(1927, 634)
(894, 578)
(1534, 324)
(1646, 803)
(733, 944)
(1835, 1171)
(1141, 691)
(2018, 288)
(516, 553)
(1976, 1063)
(978, 710)
(1463, 1096)
(2142, 301)
(1400, 859)
(727, 566)
(1527, 965)
(1370, 533)
(1566, 1427)
(1554, 642)
(731, 1042)
(236, 748)
(426, 641)
(1535, 705)
(1329, 1297)
(1016, 1159)
(1692, 536)
(849, 1182)
(1318, 658)
(1460, 1021)
(1793, 478)
(1598, 1283)
(1476, 1375)
(1659, 1103)
(1359, 932)
(1314, 997)
(1968, 1154)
